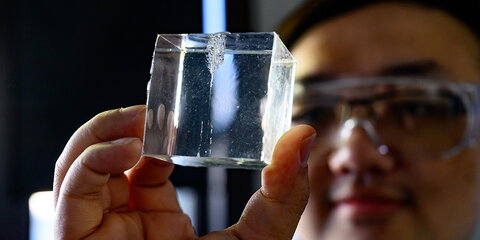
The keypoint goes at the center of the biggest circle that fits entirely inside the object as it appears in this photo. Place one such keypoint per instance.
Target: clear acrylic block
(220, 99)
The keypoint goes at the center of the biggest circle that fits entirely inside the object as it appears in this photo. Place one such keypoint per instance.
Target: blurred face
(356, 192)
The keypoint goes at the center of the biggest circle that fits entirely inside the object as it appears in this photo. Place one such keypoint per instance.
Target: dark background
(61, 63)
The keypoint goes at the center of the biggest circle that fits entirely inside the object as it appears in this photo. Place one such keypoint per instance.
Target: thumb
(274, 210)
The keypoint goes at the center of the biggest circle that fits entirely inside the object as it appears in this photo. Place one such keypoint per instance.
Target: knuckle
(59, 165)
(100, 117)
(95, 151)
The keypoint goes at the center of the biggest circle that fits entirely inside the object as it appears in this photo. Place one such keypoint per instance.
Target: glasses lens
(322, 113)
(416, 121)
(420, 124)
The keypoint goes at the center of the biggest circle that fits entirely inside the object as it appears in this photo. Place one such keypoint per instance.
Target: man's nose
(359, 152)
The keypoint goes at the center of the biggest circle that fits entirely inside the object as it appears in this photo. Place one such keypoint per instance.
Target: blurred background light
(214, 16)
(215, 20)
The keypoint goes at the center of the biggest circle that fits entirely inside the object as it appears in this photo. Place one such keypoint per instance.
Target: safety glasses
(414, 117)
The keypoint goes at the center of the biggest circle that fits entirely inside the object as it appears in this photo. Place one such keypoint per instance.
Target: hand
(104, 189)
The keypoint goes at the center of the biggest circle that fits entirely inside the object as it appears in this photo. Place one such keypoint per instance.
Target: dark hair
(316, 11)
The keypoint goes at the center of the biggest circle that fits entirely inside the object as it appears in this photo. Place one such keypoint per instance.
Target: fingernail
(133, 110)
(305, 149)
(124, 141)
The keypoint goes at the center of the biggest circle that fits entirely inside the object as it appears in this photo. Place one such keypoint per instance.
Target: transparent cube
(220, 99)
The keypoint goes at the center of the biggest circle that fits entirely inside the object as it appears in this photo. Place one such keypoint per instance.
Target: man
(388, 88)
(424, 187)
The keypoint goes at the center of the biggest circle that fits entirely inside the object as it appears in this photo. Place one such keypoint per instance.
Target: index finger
(106, 126)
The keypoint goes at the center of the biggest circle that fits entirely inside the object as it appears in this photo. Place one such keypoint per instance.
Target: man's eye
(316, 115)
(421, 109)
(435, 108)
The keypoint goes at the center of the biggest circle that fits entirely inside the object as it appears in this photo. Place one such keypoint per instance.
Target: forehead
(374, 38)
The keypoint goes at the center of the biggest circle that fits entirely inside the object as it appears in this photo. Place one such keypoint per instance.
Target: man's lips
(369, 205)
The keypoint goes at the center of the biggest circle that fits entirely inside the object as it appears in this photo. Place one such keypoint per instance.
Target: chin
(364, 231)
(368, 229)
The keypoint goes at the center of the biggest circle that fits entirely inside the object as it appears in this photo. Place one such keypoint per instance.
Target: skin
(433, 199)
(104, 189)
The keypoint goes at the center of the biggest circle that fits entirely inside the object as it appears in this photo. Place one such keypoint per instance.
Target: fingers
(85, 193)
(106, 126)
(150, 189)
(155, 225)
(273, 212)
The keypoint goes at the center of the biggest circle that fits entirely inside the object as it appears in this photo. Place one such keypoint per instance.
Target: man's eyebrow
(315, 78)
(414, 68)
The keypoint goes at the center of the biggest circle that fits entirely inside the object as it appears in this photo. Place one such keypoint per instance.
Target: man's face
(357, 193)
